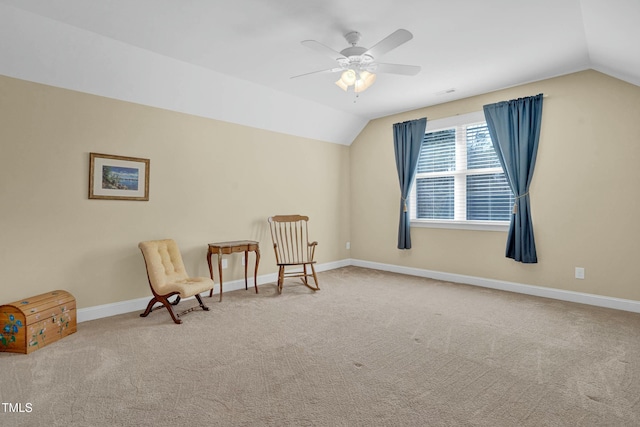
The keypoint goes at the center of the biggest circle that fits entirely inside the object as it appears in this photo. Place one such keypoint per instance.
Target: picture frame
(118, 177)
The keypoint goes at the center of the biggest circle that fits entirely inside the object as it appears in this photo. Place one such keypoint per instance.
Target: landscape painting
(118, 177)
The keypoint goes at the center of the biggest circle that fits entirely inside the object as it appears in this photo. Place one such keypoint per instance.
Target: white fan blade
(406, 70)
(390, 42)
(330, 70)
(325, 50)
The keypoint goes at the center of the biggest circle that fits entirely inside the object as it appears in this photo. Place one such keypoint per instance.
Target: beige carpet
(369, 349)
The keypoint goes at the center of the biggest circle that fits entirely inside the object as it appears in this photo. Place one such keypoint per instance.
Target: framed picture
(118, 177)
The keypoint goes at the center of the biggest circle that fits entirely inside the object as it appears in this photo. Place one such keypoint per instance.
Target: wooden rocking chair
(289, 234)
(168, 277)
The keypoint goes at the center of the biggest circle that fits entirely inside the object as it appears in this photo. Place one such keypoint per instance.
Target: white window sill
(462, 225)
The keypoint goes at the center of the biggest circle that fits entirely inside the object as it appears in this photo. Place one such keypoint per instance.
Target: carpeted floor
(370, 349)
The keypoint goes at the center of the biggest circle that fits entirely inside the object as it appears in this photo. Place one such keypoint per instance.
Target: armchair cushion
(166, 270)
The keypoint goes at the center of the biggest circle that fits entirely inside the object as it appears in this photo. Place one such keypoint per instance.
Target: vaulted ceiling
(232, 60)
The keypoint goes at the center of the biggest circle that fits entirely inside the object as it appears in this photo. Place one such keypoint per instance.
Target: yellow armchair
(168, 277)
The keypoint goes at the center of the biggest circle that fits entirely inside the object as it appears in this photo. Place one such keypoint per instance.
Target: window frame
(456, 223)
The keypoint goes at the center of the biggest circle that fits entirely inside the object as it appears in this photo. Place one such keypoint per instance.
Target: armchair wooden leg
(204, 307)
(149, 307)
(165, 302)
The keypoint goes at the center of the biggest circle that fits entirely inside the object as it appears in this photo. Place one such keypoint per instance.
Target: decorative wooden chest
(30, 324)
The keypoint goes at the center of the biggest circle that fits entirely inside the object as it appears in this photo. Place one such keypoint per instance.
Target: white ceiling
(232, 60)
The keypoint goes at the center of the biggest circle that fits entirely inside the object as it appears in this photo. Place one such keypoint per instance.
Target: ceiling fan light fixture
(365, 79)
(348, 77)
(359, 80)
(342, 85)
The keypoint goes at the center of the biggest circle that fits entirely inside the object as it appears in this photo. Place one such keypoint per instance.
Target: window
(459, 181)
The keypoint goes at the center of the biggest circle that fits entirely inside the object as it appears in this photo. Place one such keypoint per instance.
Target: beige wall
(210, 181)
(584, 195)
(213, 181)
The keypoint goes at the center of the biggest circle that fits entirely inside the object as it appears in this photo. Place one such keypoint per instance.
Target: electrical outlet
(242, 258)
(224, 263)
(348, 245)
(579, 273)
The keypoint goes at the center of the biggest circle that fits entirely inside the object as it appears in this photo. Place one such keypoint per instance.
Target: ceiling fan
(359, 64)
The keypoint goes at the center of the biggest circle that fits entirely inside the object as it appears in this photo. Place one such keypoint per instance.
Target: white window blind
(459, 178)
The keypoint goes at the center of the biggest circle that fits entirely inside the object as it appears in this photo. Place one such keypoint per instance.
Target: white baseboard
(139, 304)
(539, 291)
(113, 309)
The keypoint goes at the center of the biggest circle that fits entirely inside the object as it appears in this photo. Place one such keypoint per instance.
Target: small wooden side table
(225, 248)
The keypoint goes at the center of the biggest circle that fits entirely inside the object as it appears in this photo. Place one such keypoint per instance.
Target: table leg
(210, 272)
(220, 273)
(246, 264)
(255, 271)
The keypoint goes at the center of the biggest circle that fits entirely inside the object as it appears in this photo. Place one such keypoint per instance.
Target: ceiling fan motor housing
(353, 37)
(354, 55)
(353, 51)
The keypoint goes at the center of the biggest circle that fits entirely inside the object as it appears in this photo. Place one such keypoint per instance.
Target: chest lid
(33, 308)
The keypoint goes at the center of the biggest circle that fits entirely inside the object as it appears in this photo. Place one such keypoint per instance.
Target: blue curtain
(407, 140)
(514, 127)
